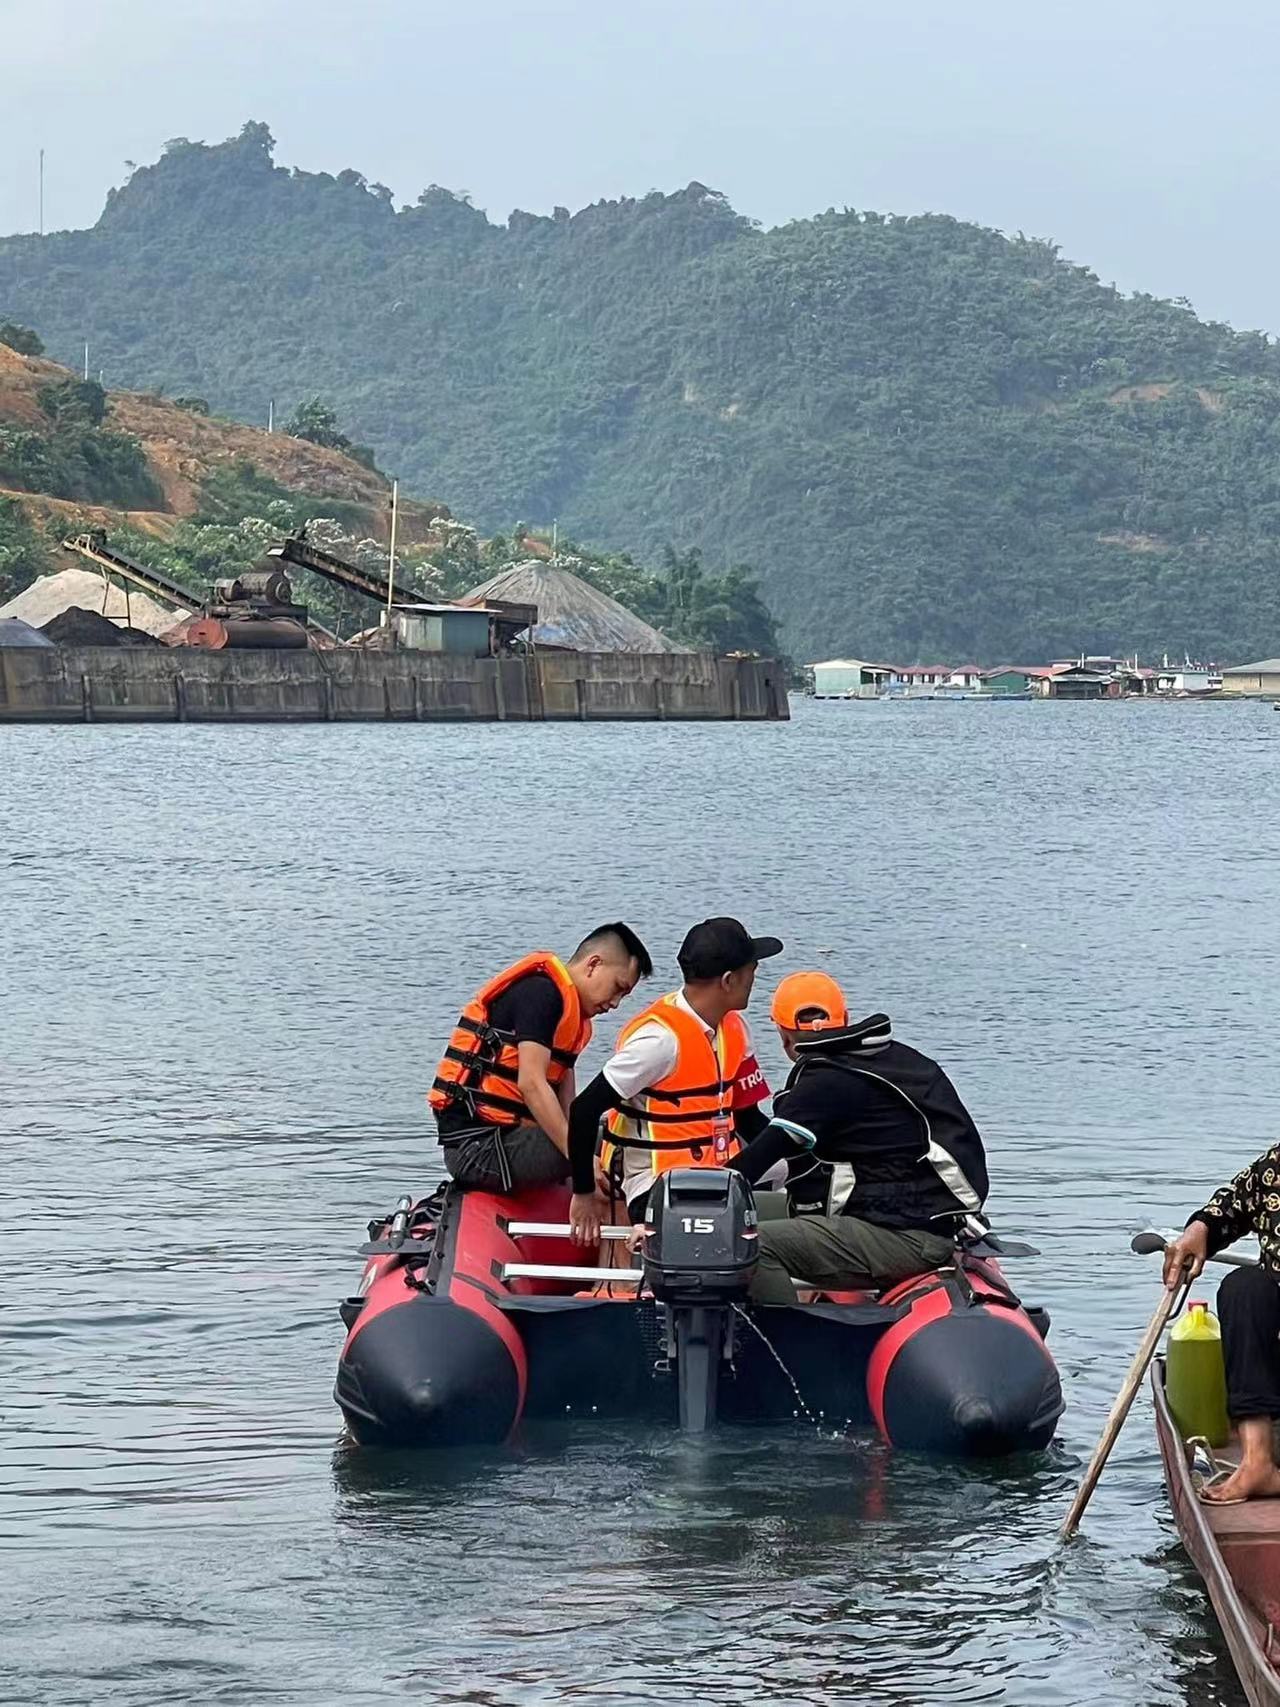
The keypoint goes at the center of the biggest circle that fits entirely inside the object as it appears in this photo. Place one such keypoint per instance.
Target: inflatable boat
(476, 1310)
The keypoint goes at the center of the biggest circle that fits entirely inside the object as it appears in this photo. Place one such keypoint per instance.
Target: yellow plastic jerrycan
(1196, 1377)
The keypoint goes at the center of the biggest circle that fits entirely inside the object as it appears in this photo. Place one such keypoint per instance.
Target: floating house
(926, 679)
(1019, 680)
(1098, 676)
(1139, 679)
(1256, 681)
(934, 681)
(1188, 679)
(964, 676)
(1086, 676)
(1075, 681)
(911, 678)
(849, 678)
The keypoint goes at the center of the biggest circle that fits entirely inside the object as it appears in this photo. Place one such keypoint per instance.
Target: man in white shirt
(684, 1077)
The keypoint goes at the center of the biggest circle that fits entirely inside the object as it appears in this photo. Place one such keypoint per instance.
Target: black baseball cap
(717, 946)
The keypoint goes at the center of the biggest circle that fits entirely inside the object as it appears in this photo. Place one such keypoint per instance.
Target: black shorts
(504, 1159)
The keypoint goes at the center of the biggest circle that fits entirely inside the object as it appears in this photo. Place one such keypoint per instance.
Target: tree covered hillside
(930, 438)
(173, 486)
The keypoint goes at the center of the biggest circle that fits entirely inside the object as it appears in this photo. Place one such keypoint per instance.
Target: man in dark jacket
(885, 1165)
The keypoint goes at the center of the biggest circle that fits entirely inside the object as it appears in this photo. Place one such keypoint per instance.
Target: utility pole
(391, 554)
(86, 358)
(42, 192)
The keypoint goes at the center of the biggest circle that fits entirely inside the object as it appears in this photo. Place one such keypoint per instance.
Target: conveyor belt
(96, 549)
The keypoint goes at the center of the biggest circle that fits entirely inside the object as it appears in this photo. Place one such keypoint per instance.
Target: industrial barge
(251, 653)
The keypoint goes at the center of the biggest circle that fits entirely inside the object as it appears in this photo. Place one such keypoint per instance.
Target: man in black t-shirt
(503, 1119)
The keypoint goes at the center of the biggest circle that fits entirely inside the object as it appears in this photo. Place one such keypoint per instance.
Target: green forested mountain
(928, 437)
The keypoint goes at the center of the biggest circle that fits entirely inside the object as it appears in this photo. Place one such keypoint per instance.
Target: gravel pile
(76, 626)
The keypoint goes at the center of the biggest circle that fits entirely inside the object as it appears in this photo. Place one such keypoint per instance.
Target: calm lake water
(231, 956)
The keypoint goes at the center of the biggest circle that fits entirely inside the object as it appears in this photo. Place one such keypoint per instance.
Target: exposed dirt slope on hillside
(183, 447)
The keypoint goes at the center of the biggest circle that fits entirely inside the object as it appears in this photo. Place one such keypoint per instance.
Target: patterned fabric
(1250, 1204)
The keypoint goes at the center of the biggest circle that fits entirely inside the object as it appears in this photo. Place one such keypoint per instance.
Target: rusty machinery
(254, 608)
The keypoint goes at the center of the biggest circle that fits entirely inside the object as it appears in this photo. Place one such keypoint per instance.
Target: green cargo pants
(838, 1253)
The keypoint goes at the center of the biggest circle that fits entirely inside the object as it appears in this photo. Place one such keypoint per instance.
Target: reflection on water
(232, 955)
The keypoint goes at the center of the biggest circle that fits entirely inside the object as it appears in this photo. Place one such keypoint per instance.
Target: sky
(1140, 136)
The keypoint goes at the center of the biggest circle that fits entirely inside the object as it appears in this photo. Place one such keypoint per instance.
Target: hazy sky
(1144, 137)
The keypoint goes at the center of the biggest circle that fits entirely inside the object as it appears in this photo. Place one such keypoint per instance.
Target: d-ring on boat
(476, 1310)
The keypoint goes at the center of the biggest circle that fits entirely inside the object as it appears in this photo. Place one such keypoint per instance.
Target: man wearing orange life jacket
(684, 1076)
(504, 1085)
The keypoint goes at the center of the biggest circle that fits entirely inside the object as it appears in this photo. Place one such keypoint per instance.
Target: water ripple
(224, 1015)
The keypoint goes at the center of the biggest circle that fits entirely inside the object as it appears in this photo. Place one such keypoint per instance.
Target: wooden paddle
(1171, 1299)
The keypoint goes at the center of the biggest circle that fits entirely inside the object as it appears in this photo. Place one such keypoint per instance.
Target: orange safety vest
(690, 1111)
(480, 1069)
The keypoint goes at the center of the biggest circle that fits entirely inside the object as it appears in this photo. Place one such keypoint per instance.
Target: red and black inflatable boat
(475, 1311)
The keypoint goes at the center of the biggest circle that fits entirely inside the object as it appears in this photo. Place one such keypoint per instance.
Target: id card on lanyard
(722, 1126)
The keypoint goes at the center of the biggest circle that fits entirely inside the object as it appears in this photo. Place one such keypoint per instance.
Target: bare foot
(1249, 1482)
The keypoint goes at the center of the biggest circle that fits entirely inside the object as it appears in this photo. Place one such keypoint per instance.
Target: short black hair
(620, 936)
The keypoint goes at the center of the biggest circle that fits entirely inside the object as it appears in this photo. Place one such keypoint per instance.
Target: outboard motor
(700, 1253)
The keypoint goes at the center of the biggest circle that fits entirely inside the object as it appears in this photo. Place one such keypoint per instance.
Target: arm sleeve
(826, 1102)
(809, 1101)
(1234, 1209)
(647, 1056)
(769, 1145)
(584, 1122)
(750, 1088)
(749, 1122)
(537, 1008)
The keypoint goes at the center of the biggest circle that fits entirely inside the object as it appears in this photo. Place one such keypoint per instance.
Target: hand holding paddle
(1188, 1253)
(1169, 1302)
(1192, 1244)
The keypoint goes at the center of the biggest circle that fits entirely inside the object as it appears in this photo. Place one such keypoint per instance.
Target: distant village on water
(1085, 677)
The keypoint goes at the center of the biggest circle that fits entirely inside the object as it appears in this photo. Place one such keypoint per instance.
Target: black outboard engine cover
(700, 1251)
(701, 1237)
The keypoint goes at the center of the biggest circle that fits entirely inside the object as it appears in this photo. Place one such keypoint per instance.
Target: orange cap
(804, 991)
